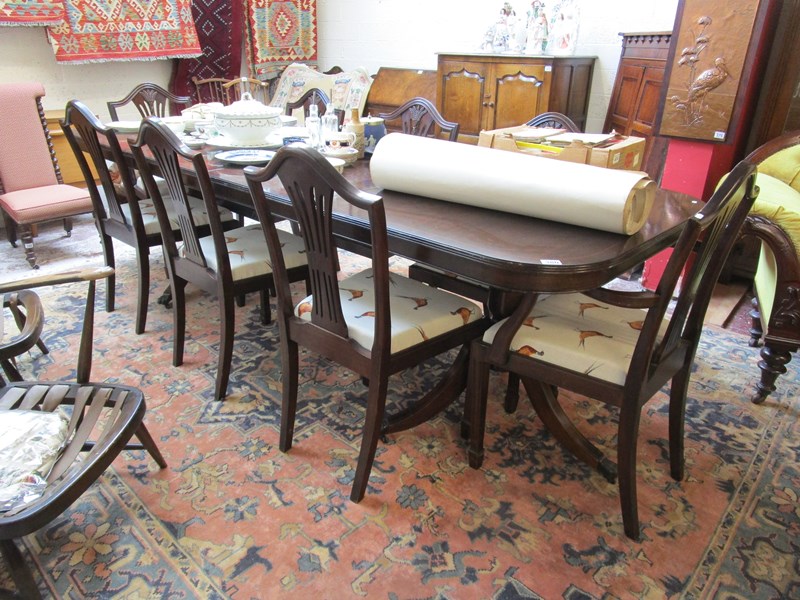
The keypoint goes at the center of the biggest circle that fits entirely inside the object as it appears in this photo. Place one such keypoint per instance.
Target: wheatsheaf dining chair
(374, 322)
(150, 100)
(617, 347)
(419, 116)
(82, 426)
(119, 213)
(225, 263)
(31, 188)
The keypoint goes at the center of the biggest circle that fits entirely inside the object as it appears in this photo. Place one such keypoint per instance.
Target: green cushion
(784, 165)
(780, 203)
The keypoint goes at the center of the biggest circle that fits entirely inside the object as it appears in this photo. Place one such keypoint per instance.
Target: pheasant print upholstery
(419, 312)
(248, 253)
(579, 333)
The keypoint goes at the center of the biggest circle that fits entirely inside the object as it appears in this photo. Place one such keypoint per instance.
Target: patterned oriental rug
(233, 517)
(280, 32)
(31, 12)
(220, 29)
(97, 31)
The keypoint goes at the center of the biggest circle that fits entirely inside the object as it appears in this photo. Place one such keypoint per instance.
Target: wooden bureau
(488, 91)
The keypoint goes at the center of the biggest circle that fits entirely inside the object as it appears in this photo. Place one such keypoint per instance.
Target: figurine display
(535, 33)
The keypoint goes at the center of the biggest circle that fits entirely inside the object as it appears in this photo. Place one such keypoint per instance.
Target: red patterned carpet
(233, 517)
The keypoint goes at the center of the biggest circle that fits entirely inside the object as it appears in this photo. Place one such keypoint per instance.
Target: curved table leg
(544, 401)
(436, 400)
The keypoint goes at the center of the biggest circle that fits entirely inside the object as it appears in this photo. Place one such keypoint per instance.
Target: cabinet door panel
(648, 100)
(463, 88)
(626, 92)
(519, 93)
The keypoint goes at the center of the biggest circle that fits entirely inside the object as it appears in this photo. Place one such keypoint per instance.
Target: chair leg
(178, 288)
(475, 405)
(11, 229)
(756, 331)
(376, 404)
(19, 569)
(626, 469)
(772, 364)
(289, 378)
(149, 444)
(227, 326)
(143, 289)
(512, 393)
(677, 416)
(68, 226)
(264, 311)
(26, 235)
(111, 281)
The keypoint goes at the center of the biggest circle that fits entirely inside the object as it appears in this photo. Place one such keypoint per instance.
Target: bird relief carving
(694, 105)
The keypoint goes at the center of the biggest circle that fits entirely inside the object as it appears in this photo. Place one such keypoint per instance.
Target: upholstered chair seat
(248, 253)
(31, 188)
(419, 312)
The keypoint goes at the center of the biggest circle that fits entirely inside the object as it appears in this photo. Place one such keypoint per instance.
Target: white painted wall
(368, 33)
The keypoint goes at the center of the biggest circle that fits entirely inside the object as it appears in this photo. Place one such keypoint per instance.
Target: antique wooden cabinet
(488, 91)
(633, 108)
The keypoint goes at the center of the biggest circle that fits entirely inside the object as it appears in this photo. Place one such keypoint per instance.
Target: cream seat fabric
(579, 333)
(248, 253)
(419, 312)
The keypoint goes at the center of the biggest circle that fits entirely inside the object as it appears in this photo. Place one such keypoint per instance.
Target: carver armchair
(617, 347)
(775, 220)
(31, 188)
(84, 426)
(374, 322)
(226, 263)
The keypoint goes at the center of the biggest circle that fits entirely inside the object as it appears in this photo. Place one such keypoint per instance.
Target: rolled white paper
(595, 197)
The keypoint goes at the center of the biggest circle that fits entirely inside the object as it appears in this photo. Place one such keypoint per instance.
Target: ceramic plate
(222, 141)
(124, 126)
(245, 157)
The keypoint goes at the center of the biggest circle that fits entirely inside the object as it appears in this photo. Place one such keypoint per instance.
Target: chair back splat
(419, 116)
(617, 347)
(374, 322)
(151, 100)
(555, 120)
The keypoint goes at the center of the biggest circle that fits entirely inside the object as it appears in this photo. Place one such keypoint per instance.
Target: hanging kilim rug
(220, 28)
(31, 12)
(280, 33)
(100, 31)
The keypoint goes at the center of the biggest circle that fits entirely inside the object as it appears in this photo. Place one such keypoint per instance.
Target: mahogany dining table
(515, 256)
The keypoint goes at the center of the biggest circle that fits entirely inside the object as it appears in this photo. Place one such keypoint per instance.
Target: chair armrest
(88, 274)
(642, 299)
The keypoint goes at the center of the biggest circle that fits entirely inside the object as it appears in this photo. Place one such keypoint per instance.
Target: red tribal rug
(280, 32)
(220, 27)
(31, 12)
(97, 31)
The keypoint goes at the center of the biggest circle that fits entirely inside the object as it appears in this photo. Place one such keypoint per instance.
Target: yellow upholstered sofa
(775, 220)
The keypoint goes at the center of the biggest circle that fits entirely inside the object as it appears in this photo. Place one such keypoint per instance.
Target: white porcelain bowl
(346, 153)
(337, 163)
(247, 121)
(176, 124)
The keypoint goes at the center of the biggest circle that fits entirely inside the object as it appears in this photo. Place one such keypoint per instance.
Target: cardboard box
(626, 154)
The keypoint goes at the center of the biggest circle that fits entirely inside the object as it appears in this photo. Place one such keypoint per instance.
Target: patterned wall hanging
(280, 32)
(220, 30)
(100, 31)
(31, 12)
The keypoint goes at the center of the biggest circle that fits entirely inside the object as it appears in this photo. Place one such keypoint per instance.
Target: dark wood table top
(502, 250)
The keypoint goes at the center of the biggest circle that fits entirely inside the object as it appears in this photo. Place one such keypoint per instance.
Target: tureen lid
(249, 107)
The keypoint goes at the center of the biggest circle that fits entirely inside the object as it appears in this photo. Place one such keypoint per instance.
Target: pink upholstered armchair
(31, 188)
